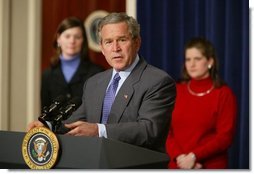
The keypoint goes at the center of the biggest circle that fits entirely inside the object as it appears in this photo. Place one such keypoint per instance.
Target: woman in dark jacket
(70, 66)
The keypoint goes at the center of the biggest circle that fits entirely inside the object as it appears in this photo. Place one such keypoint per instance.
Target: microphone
(66, 111)
(47, 111)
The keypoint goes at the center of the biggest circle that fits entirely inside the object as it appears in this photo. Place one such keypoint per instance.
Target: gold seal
(40, 148)
(91, 23)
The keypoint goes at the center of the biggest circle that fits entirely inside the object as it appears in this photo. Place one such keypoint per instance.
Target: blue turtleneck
(69, 67)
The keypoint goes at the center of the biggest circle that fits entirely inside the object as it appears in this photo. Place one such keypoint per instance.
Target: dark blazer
(141, 112)
(53, 83)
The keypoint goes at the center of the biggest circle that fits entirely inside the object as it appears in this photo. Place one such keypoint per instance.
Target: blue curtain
(167, 24)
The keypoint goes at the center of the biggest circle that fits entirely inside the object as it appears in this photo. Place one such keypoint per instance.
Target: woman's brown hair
(68, 23)
(208, 50)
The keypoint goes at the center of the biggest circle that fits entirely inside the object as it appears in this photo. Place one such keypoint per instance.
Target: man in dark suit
(144, 96)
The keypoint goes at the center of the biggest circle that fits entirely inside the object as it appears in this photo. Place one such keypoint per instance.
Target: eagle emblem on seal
(40, 149)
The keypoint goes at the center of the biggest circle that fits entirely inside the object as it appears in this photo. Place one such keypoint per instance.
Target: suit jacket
(54, 84)
(141, 112)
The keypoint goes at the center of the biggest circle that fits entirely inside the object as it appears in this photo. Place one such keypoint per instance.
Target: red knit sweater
(202, 125)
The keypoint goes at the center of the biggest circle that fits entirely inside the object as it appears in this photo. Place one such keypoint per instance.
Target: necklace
(200, 94)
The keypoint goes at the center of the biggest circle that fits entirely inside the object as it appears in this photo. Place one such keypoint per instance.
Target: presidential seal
(40, 148)
(91, 23)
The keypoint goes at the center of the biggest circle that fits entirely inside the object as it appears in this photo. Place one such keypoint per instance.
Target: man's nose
(116, 46)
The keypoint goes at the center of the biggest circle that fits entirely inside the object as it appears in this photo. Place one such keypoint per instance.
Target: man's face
(117, 45)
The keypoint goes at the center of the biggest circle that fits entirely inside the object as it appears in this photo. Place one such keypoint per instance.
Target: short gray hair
(113, 18)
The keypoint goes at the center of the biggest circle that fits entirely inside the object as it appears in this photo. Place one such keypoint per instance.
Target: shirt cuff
(102, 130)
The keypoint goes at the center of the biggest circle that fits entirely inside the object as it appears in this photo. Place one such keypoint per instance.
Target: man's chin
(119, 67)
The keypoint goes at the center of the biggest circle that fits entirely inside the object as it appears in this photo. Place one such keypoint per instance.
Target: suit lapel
(126, 92)
(58, 77)
(121, 101)
(80, 74)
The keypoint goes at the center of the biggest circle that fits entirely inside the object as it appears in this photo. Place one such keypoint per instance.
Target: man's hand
(34, 124)
(81, 128)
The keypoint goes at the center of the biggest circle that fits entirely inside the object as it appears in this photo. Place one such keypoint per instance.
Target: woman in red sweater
(204, 117)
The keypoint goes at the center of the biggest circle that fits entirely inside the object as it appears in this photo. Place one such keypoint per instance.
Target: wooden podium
(84, 153)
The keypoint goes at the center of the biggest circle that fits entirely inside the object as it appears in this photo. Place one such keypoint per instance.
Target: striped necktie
(109, 98)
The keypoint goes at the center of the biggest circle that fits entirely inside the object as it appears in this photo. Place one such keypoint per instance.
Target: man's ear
(138, 42)
(102, 50)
